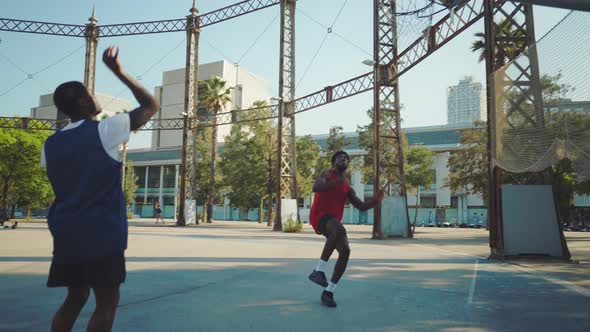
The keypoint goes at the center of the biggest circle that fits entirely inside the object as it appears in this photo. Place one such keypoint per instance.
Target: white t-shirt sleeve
(43, 162)
(113, 132)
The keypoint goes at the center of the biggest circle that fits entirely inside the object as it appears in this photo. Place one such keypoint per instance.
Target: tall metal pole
(91, 36)
(189, 121)
(496, 238)
(287, 170)
(388, 158)
(377, 231)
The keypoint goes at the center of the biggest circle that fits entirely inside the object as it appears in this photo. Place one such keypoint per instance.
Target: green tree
(214, 95)
(511, 47)
(35, 191)
(265, 136)
(202, 162)
(574, 128)
(129, 183)
(251, 145)
(20, 152)
(243, 168)
(468, 166)
(308, 154)
(389, 156)
(418, 172)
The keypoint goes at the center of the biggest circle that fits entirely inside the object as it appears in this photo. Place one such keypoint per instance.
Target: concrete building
(247, 88)
(568, 105)
(466, 102)
(110, 106)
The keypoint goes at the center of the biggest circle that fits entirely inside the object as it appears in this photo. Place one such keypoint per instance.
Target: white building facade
(246, 89)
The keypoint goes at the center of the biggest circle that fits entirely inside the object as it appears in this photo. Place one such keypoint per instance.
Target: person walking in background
(158, 210)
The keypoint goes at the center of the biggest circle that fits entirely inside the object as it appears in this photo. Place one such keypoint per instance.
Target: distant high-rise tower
(466, 102)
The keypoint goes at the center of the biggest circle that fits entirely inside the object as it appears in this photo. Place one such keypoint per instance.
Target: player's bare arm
(361, 205)
(148, 105)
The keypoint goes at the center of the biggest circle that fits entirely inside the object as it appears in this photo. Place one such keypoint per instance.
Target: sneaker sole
(326, 305)
(318, 283)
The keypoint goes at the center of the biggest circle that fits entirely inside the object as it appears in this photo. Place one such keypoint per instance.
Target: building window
(153, 177)
(140, 176)
(169, 176)
(168, 201)
(454, 202)
(428, 201)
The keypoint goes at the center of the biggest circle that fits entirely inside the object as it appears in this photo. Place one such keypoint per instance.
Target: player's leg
(107, 299)
(66, 315)
(343, 249)
(327, 227)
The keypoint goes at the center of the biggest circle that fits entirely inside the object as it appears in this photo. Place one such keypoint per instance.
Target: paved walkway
(237, 276)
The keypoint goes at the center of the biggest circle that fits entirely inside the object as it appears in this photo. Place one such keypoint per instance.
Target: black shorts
(102, 272)
(322, 224)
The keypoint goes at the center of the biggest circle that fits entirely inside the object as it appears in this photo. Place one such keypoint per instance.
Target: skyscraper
(466, 102)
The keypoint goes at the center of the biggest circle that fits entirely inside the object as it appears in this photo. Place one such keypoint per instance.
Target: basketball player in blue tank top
(88, 219)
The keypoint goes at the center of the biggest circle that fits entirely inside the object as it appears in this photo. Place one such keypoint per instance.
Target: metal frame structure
(390, 67)
(287, 170)
(91, 36)
(520, 87)
(383, 80)
(191, 100)
(440, 33)
(386, 108)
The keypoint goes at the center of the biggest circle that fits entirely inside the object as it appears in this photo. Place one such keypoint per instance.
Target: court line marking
(554, 280)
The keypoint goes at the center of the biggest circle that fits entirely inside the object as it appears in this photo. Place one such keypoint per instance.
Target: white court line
(563, 283)
(556, 281)
(473, 279)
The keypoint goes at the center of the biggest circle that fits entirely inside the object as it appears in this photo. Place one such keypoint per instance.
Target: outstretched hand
(110, 57)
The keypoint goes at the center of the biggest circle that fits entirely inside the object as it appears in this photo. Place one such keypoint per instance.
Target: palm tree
(511, 48)
(214, 97)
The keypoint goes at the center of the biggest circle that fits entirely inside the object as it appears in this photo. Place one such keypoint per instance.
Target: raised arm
(363, 206)
(148, 105)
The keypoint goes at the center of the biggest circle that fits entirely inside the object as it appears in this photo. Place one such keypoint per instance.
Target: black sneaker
(328, 299)
(319, 278)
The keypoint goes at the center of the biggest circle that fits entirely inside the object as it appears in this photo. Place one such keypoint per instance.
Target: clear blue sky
(423, 89)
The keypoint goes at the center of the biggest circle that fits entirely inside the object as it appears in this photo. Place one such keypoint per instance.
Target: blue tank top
(88, 218)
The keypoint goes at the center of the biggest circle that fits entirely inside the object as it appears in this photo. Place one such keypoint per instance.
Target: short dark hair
(335, 155)
(67, 95)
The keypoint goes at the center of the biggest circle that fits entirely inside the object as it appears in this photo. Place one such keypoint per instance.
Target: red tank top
(329, 202)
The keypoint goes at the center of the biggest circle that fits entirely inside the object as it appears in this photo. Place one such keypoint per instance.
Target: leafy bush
(292, 226)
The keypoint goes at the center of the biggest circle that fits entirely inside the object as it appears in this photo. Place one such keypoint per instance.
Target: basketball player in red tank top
(331, 192)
